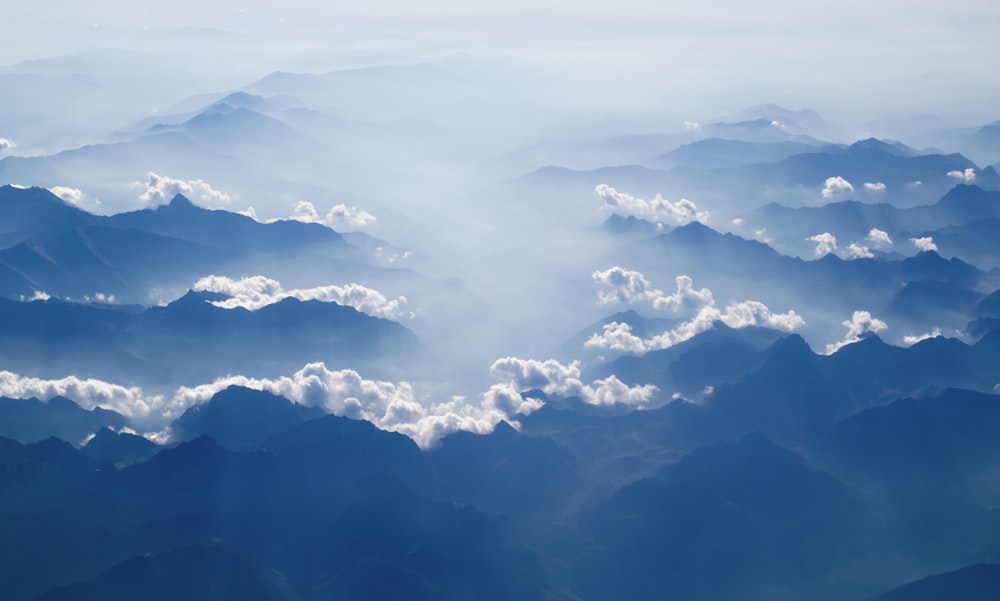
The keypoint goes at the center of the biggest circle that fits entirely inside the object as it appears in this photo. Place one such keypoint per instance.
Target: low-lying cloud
(658, 210)
(555, 378)
(161, 189)
(878, 238)
(340, 217)
(6, 144)
(835, 186)
(860, 324)
(258, 291)
(875, 186)
(925, 244)
(826, 243)
(621, 285)
(968, 176)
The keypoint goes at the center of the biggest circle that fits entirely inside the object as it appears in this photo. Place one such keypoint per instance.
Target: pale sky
(871, 52)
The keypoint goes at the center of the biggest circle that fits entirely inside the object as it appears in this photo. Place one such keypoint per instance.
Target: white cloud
(860, 323)
(878, 238)
(911, 340)
(836, 185)
(340, 217)
(552, 377)
(681, 212)
(875, 186)
(74, 196)
(968, 176)
(737, 221)
(389, 406)
(826, 243)
(161, 189)
(6, 144)
(692, 125)
(857, 251)
(619, 337)
(258, 291)
(619, 285)
(39, 295)
(88, 393)
(924, 244)
(760, 235)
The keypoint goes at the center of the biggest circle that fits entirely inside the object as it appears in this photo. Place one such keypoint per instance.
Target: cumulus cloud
(737, 221)
(835, 186)
(619, 285)
(826, 243)
(88, 393)
(391, 406)
(913, 339)
(878, 238)
(257, 291)
(968, 176)
(340, 217)
(38, 295)
(860, 324)
(74, 196)
(681, 212)
(6, 144)
(161, 189)
(552, 377)
(619, 336)
(875, 186)
(924, 244)
(857, 251)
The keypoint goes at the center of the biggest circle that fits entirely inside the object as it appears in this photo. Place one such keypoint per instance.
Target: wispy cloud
(257, 291)
(681, 212)
(160, 189)
(910, 340)
(860, 323)
(835, 186)
(875, 186)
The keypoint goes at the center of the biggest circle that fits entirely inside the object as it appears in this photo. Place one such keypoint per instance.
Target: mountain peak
(179, 201)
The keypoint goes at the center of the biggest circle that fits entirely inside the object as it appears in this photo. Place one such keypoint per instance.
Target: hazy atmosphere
(588, 301)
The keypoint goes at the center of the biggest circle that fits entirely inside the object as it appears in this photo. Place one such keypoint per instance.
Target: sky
(638, 54)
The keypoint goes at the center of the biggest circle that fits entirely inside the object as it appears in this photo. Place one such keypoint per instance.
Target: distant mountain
(63, 251)
(119, 448)
(718, 152)
(747, 520)
(974, 583)
(31, 420)
(191, 340)
(241, 418)
(317, 513)
(730, 265)
(195, 573)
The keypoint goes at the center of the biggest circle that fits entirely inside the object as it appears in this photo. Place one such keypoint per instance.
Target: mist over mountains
(300, 310)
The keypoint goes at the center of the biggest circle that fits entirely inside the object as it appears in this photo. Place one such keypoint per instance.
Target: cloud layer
(258, 291)
(660, 210)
